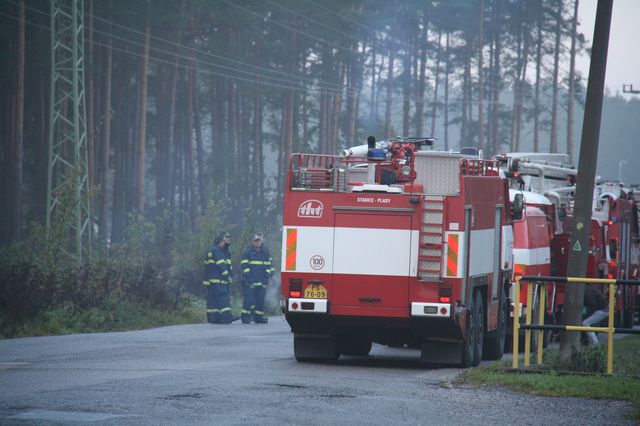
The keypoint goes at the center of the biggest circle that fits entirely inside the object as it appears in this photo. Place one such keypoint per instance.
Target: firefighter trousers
(219, 304)
(248, 304)
(253, 304)
(213, 314)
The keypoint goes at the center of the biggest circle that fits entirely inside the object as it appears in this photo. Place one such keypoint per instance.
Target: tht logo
(311, 209)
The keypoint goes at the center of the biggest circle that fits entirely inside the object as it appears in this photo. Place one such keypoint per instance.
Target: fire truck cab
(396, 245)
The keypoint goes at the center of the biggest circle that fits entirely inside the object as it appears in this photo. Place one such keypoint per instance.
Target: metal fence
(541, 327)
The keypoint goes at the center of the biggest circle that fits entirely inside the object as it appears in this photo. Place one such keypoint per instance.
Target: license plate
(315, 291)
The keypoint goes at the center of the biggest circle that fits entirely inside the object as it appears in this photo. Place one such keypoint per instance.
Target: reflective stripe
(246, 270)
(258, 262)
(259, 312)
(225, 273)
(221, 261)
(257, 285)
(244, 311)
(244, 261)
(216, 281)
(225, 310)
(211, 311)
(205, 282)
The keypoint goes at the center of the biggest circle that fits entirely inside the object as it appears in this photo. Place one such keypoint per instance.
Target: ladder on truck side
(431, 231)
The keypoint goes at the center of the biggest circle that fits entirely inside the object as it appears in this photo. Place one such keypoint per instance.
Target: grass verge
(623, 385)
(112, 315)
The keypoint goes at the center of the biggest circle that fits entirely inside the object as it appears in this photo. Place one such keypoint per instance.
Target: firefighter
(217, 279)
(256, 270)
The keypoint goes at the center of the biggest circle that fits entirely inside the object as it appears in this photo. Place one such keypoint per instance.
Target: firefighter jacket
(227, 258)
(256, 265)
(217, 269)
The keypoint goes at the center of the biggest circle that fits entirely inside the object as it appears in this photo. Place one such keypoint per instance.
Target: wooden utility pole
(579, 242)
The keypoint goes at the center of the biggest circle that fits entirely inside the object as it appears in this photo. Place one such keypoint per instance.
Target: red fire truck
(614, 239)
(399, 245)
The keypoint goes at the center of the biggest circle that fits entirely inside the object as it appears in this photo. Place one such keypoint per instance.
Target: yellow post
(516, 322)
(543, 294)
(527, 332)
(610, 329)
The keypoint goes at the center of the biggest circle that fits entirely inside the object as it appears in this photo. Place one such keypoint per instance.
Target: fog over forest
(193, 108)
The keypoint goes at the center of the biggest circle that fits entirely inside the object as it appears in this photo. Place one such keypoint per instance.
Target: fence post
(542, 298)
(610, 331)
(516, 323)
(527, 332)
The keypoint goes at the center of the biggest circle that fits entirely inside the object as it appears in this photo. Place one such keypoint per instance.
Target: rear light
(610, 276)
(294, 306)
(444, 293)
(443, 310)
(295, 287)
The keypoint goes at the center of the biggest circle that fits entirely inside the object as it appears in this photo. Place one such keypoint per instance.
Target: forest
(193, 108)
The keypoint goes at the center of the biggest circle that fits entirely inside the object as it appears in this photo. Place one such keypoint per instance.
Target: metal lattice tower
(68, 183)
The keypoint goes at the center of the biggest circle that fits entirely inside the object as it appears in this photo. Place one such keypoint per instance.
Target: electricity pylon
(68, 183)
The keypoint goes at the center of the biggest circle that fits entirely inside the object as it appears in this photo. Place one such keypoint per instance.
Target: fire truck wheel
(468, 343)
(479, 328)
(495, 341)
(355, 347)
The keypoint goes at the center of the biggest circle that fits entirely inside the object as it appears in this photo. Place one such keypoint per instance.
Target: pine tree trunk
(572, 77)
(446, 93)
(556, 70)
(89, 77)
(481, 80)
(522, 81)
(191, 199)
(372, 107)
(421, 80)
(436, 80)
(106, 142)
(406, 93)
(536, 98)
(389, 99)
(16, 220)
(202, 190)
(496, 83)
(142, 115)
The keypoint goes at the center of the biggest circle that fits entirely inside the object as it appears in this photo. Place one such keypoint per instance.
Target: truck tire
(355, 346)
(309, 347)
(468, 343)
(495, 341)
(471, 347)
(479, 328)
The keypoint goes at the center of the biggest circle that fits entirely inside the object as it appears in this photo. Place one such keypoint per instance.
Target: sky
(623, 60)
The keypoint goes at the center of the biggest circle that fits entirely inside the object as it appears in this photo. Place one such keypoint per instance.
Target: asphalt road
(246, 374)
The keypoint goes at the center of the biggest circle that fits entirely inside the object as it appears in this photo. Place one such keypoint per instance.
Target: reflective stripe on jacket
(256, 265)
(216, 268)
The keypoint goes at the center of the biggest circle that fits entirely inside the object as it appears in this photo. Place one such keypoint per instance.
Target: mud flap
(314, 346)
(441, 352)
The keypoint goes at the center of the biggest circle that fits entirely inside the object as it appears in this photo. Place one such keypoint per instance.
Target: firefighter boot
(259, 319)
(245, 316)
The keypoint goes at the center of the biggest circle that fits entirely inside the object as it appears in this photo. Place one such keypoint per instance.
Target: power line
(189, 67)
(337, 46)
(329, 85)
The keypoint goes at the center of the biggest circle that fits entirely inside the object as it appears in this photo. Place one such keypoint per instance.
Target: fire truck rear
(400, 246)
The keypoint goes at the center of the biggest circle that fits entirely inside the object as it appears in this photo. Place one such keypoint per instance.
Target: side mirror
(518, 206)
